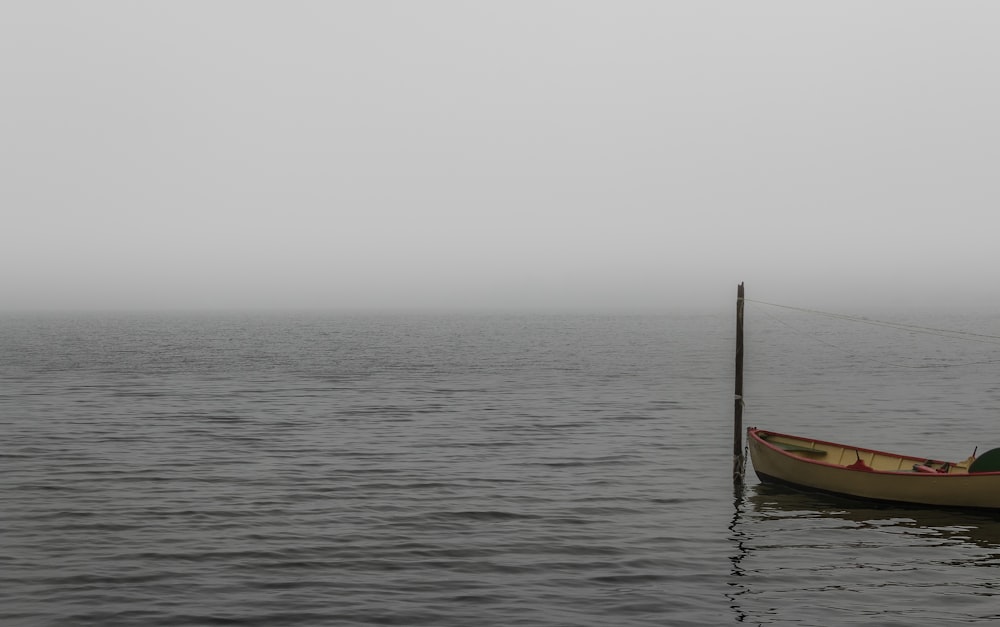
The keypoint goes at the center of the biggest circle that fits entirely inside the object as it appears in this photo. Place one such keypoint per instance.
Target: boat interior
(866, 459)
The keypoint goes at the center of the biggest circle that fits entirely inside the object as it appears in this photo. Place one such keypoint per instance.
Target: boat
(863, 473)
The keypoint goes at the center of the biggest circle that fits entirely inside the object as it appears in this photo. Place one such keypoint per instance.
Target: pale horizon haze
(477, 155)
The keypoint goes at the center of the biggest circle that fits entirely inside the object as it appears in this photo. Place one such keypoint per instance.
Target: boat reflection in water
(799, 556)
(777, 502)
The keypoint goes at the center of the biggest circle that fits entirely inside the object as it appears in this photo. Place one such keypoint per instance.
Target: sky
(478, 155)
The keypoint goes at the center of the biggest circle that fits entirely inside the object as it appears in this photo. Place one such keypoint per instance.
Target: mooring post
(738, 410)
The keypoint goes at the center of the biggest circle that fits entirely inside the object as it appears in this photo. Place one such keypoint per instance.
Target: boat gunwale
(753, 432)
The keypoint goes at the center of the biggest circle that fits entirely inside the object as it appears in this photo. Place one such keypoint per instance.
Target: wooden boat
(874, 475)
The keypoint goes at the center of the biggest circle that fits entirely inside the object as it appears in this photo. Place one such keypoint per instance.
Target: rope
(950, 333)
(947, 333)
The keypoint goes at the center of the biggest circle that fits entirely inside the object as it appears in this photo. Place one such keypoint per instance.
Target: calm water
(474, 470)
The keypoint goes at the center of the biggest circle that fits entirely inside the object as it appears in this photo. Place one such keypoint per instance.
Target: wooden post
(738, 410)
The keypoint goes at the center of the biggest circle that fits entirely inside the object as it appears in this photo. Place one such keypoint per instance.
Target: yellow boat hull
(868, 474)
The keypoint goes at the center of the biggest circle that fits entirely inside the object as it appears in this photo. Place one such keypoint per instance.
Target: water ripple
(436, 470)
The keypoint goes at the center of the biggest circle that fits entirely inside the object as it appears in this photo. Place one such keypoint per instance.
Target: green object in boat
(987, 462)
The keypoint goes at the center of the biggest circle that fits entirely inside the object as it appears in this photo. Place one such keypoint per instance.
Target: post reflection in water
(809, 559)
(738, 537)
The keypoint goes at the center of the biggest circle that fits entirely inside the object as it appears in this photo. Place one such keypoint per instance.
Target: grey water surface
(474, 469)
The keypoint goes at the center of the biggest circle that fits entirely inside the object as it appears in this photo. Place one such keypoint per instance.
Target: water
(335, 469)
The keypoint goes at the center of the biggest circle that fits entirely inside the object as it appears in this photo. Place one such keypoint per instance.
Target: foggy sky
(209, 154)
